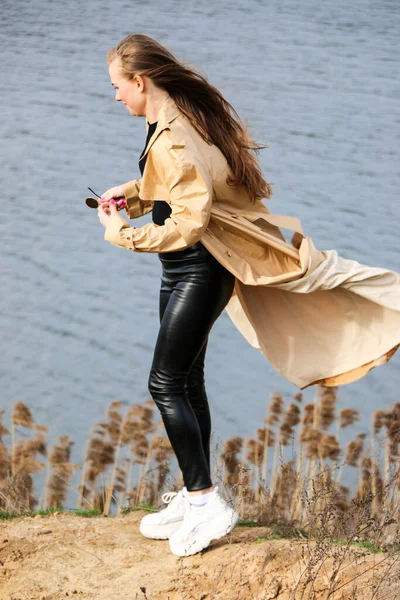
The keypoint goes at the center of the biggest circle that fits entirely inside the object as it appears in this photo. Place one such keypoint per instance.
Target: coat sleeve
(190, 197)
(135, 206)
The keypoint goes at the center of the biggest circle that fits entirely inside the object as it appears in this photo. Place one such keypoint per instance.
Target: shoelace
(168, 496)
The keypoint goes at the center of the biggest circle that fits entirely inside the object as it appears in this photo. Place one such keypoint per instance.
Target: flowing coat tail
(329, 323)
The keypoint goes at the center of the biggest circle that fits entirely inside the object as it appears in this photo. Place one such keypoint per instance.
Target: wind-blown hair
(202, 104)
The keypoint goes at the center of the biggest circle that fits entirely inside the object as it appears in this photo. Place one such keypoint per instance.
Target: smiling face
(129, 91)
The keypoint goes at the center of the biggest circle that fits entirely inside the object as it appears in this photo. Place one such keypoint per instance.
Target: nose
(117, 98)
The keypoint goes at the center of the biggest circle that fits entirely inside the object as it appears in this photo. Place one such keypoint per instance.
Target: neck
(153, 106)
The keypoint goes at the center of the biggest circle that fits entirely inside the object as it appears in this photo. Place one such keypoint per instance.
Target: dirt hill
(66, 556)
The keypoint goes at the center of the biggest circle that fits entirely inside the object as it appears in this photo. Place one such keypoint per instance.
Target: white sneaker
(161, 525)
(201, 524)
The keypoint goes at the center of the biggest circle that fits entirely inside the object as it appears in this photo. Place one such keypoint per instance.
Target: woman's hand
(106, 211)
(114, 192)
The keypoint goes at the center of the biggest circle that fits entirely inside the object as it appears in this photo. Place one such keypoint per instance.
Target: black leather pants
(195, 289)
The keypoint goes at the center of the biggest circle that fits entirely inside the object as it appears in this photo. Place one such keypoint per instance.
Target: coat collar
(168, 112)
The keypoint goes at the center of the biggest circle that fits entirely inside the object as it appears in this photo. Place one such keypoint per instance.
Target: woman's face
(128, 91)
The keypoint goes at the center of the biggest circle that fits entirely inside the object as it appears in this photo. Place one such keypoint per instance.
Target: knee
(163, 383)
(154, 384)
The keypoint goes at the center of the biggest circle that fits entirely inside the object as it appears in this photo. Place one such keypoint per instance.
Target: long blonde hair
(202, 104)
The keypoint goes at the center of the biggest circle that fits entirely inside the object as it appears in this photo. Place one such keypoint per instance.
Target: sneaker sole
(159, 532)
(201, 543)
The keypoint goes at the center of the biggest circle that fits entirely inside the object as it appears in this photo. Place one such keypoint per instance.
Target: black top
(161, 209)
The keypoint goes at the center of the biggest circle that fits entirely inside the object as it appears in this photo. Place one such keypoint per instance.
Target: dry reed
(127, 461)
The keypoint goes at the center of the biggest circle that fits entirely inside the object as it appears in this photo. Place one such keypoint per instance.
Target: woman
(311, 313)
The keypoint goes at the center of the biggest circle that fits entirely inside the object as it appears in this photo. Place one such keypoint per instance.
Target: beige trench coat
(315, 316)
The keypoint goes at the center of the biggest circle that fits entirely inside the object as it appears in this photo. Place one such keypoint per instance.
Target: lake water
(317, 82)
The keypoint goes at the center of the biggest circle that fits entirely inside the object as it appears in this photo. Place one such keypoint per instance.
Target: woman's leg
(197, 396)
(195, 384)
(193, 306)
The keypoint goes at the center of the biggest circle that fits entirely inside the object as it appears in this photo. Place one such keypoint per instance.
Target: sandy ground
(66, 556)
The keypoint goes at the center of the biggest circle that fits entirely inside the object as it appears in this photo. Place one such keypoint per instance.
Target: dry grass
(127, 461)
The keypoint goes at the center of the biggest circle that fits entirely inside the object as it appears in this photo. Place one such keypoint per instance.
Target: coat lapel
(168, 112)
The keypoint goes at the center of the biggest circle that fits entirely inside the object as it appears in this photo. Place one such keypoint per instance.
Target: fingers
(113, 207)
(119, 202)
(104, 208)
(116, 192)
(105, 205)
(108, 207)
(114, 198)
(102, 215)
(107, 195)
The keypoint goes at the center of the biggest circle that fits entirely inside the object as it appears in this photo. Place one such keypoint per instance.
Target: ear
(140, 83)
